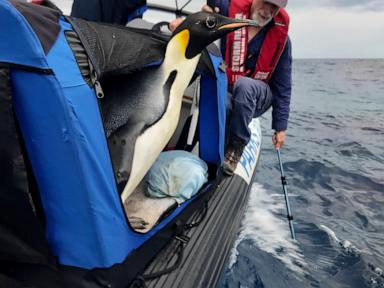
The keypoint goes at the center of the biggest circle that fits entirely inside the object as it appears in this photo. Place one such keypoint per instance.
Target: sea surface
(334, 162)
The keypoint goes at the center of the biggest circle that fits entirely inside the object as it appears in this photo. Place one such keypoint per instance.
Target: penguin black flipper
(121, 145)
(122, 141)
(132, 98)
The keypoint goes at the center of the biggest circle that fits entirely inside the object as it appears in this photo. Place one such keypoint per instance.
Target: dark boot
(233, 150)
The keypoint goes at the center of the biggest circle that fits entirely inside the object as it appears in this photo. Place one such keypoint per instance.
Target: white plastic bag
(178, 174)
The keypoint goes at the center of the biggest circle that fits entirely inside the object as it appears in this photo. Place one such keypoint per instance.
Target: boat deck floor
(207, 251)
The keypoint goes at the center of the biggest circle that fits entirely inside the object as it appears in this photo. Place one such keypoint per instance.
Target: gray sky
(320, 28)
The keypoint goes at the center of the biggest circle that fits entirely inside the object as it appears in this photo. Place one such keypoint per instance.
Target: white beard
(260, 21)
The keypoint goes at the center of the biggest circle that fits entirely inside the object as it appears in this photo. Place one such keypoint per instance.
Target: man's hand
(174, 23)
(278, 139)
(208, 9)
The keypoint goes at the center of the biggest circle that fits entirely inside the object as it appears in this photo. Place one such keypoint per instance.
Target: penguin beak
(231, 24)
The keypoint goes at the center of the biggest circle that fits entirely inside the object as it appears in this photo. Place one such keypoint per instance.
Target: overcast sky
(321, 28)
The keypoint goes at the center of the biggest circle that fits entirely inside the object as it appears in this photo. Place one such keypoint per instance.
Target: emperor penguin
(150, 111)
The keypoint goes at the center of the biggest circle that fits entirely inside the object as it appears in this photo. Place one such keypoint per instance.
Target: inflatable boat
(64, 218)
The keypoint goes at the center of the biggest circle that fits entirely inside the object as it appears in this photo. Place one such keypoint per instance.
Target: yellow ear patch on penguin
(183, 39)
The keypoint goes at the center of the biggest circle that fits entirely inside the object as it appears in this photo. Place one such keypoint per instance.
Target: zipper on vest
(275, 55)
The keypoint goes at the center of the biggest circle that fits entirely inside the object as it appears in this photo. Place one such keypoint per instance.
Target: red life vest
(38, 2)
(237, 42)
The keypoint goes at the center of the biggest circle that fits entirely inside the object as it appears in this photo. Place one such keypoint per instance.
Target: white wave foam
(269, 231)
(346, 245)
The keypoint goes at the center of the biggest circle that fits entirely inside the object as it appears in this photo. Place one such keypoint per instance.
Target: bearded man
(259, 65)
(259, 73)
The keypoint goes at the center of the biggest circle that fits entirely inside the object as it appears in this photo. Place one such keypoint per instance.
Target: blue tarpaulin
(212, 113)
(63, 132)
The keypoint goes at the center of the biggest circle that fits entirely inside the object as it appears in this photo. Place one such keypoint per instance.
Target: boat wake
(346, 245)
(373, 276)
(265, 225)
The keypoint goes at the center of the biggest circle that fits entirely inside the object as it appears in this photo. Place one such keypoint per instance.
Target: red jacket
(237, 42)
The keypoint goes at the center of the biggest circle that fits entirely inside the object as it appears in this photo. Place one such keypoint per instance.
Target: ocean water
(334, 162)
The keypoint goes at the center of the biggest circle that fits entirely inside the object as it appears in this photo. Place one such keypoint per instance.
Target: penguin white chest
(152, 141)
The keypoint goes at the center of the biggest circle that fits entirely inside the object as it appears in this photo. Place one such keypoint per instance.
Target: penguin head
(200, 29)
